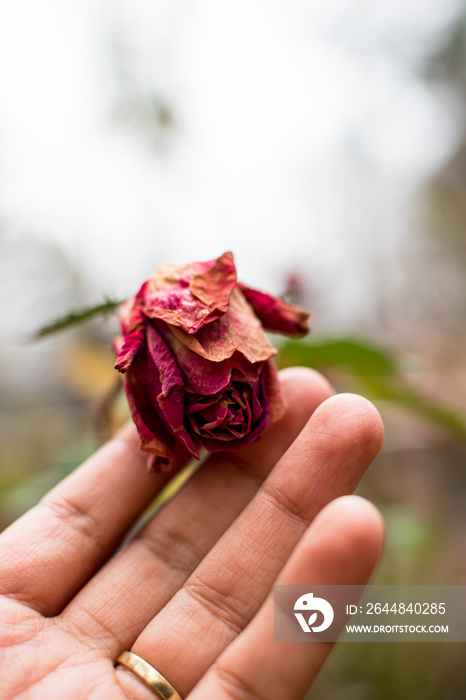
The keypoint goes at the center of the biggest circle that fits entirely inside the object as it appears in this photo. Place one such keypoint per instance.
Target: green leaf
(371, 370)
(360, 356)
(74, 318)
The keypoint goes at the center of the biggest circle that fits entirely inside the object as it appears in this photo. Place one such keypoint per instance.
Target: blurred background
(324, 143)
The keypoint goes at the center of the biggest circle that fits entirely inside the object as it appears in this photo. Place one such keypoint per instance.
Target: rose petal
(155, 439)
(201, 376)
(255, 404)
(165, 386)
(273, 391)
(275, 314)
(215, 417)
(225, 441)
(133, 327)
(215, 283)
(238, 330)
(196, 404)
(191, 296)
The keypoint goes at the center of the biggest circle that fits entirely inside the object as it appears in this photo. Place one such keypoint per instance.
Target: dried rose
(197, 365)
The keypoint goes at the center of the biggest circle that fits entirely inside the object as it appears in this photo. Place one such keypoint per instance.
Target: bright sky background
(302, 130)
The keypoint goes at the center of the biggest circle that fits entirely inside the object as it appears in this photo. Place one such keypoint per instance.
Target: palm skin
(191, 593)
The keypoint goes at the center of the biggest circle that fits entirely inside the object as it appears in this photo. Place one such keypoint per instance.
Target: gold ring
(149, 675)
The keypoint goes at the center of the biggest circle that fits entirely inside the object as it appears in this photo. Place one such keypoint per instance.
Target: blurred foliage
(447, 62)
(384, 671)
(357, 355)
(360, 365)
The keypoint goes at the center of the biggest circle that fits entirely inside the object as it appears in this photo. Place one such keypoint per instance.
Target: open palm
(191, 593)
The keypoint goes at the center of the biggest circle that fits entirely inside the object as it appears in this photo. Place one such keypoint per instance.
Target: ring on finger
(149, 675)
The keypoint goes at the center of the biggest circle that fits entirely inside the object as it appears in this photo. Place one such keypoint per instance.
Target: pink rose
(197, 365)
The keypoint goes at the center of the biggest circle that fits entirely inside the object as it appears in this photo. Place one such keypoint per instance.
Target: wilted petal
(214, 417)
(133, 326)
(202, 376)
(162, 378)
(255, 402)
(130, 311)
(275, 314)
(273, 391)
(155, 439)
(214, 284)
(191, 296)
(195, 403)
(226, 440)
(238, 330)
(130, 348)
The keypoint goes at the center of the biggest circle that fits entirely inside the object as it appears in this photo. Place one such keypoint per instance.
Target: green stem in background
(74, 318)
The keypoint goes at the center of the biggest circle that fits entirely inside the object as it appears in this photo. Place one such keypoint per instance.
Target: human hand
(191, 594)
